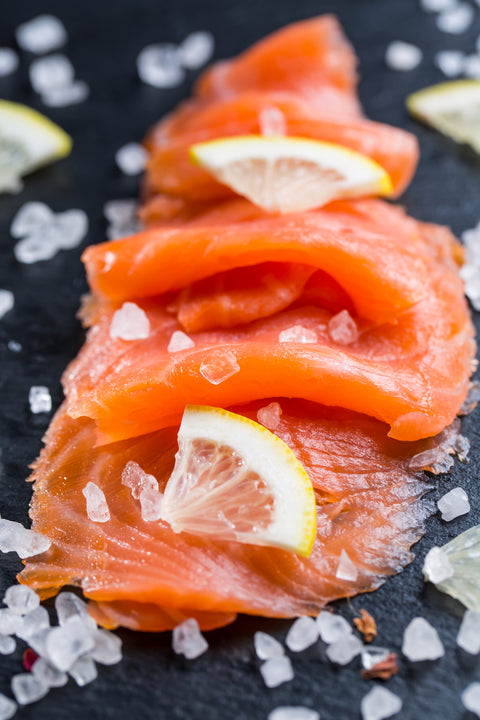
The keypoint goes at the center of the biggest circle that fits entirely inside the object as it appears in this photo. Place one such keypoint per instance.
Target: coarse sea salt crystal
(68, 605)
(272, 122)
(130, 323)
(379, 704)
(38, 642)
(450, 62)
(346, 569)
(8, 61)
(471, 66)
(7, 645)
(66, 230)
(131, 158)
(41, 34)
(137, 480)
(83, 671)
(179, 341)
(436, 5)
(107, 649)
(48, 674)
(187, 640)
(269, 416)
(50, 73)
(31, 216)
(266, 646)
(35, 248)
(67, 643)
(293, 712)
(453, 504)
(196, 49)
(221, 367)
(97, 508)
(14, 346)
(39, 399)
(7, 302)
(471, 698)
(456, 19)
(277, 671)
(332, 627)
(302, 634)
(33, 622)
(421, 641)
(21, 599)
(121, 212)
(151, 504)
(77, 92)
(10, 622)
(403, 56)
(159, 66)
(342, 328)
(372, 655)
(436, 566)
(468, 637)
(8, 707)
(16, 538)
(28, 689)
(343, 651)
(298, 333)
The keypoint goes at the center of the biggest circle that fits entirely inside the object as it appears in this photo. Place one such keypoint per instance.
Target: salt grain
(471, 698)
(97, 508)
(159, 66)
(302, 634)
(48, 674)
(137, 480)
(33, 622)
(7, 302)
(450, 62)
(372, 655)
(68, 605)
(130, 323)
(332, 627)
(68, 228)
(221, 367)
(179, 341)
(34, 249)
(28, 689)
(421, 641)
(187, 640)
(293, 713)
(344, 650)
(77, 92)
(272, 122)
(50, 73)
(83, 671)
(266, 646)
(21, 599)
(121, 212)
(379, 704)
(403, 56)
(343, 329)
(436, 566)
(39, 399)
(67, 643)
(151, 504)
(7, 645)
(107, 649)
(277, 671)
(196, 49)
(269, 416)
(453, 504)
(16, 538)
(14, 346)
(41, 35)
(456, 19)
(10, 622)
(38, 642)
(131, 158)
(471, 67)
(31, 216)
(436, 5)
(468, 637)
(297, 333)
(8, 61)
(346, 570)
(8, 707)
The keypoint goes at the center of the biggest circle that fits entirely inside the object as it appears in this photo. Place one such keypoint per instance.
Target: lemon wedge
(28, 140)
(235, 480)
(290, 174)
(453, 108)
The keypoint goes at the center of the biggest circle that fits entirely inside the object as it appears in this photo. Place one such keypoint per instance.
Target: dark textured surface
(105, 39)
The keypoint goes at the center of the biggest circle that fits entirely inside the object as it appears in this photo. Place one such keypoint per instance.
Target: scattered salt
(65, 644)
(343, 651)
(97, 508)
(7, 302)
(332, 627)
(297, 333)
(21, 599)
(39, 399)
(16, 538)
(68, 605)
(28, 689)
(8, 61)
(276, 671)
(107, 649)
(471, 67)
(41, 35)
(137, 480)
(342, 328)
(7, 645)
(346, 569)
(48, 674)
(468, 637)
(403, 56)
(196, 49)
(131, 158)
(302, 634)
(471, 698)
(159, 65)
(272, 122)
(33, 622)
(50, 73)
(179, 341)
(450, 62)
(456, 19)
(221, 367)
(453, 504)
(187, 640)
(436, 566)
(379, 704)
(372, 655)
(151, 504)
(293, 713)
(130, 323)
(83, 671)
(269, 416)
(31, 216)
(266, 646)
(8, 707)
(421, 641)
(10, 622)
(436, 5)
(77, 92)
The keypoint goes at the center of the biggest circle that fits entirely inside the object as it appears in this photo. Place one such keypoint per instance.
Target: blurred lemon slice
(28, 140)
(290, 174)
(235, 480)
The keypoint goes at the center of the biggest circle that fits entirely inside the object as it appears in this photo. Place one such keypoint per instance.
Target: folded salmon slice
(140, 574)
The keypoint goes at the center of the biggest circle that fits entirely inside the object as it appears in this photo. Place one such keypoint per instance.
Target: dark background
(105, 39)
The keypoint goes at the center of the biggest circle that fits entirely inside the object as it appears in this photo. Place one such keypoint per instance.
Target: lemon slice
(289, 174)
(27, 141)
(235, 480)
(453, 108)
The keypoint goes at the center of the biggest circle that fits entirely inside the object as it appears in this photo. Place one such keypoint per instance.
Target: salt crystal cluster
(421, 641)
(276, 671)
(302, 634)
(222, 366)
(16, 538)
(298, 333)
(131, 158)
(346, 569)
(137, 479)
(39, 399)
(8, 61)
(403, 56)
(343, 329)
(453, 504)
(470, 271)
(272, 122)
(122, 218)
(41, 34)
(266, 646)
(44, 232)
(379, 704)
(293, 713)
(163, 65)
(7, 302)
(468, 637)
(97, 508)
(187, 640)
(269, 416)
(179, 341)
(436, 566)
(130, 323)
(471, 698)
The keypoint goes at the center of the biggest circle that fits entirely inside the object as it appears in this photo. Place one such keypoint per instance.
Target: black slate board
(105, 39)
